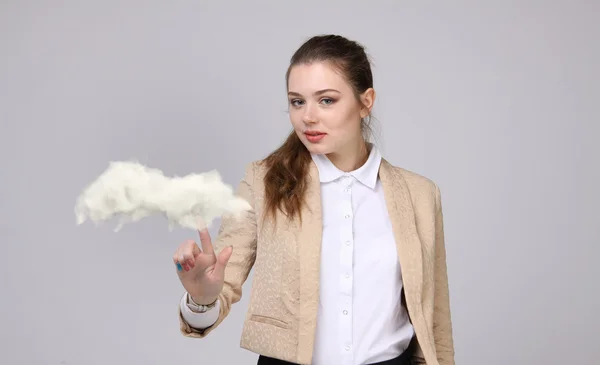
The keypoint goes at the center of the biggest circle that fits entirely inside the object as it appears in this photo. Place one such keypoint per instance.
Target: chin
(318, 149)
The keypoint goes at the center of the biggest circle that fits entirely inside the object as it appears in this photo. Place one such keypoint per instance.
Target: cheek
(296, 120)
(343, 122)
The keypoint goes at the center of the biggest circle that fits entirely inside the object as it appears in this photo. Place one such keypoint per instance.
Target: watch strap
(198, 308)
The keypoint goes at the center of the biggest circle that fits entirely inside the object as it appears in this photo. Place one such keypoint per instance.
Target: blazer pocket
(269, 320)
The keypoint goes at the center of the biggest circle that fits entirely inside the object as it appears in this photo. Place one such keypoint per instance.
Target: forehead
(308, 78)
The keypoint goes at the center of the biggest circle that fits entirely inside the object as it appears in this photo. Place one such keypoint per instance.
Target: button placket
(346, 266)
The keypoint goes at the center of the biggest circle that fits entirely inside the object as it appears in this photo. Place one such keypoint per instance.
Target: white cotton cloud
(132, 191)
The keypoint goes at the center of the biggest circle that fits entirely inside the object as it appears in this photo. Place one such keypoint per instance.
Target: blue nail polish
(179, 267)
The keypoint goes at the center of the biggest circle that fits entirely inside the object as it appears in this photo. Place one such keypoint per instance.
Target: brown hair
(287, 166)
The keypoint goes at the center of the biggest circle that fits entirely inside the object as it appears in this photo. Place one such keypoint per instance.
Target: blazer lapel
(408, 244)
(309, 237)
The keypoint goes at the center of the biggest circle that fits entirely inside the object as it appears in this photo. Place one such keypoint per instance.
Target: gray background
(495, 101)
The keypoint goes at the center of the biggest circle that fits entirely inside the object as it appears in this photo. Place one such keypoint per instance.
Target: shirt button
(345, 312)
(347, 216)
(347, 347)
(347, 243)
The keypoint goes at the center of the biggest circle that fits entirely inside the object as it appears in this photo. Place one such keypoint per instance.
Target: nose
(308, 117)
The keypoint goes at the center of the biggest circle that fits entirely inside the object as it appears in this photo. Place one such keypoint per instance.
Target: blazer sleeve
(442, 324)
(241, 233)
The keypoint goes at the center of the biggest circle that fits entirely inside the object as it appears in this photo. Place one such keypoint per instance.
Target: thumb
(222, 261)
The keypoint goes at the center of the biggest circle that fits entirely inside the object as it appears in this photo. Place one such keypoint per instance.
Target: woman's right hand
(202, 272)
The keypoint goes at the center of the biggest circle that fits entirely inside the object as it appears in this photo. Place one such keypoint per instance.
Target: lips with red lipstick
(314, 136)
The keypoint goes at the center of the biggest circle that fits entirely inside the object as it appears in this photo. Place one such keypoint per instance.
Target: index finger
(206, 242)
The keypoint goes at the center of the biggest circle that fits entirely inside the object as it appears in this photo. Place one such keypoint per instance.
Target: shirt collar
(367, 174)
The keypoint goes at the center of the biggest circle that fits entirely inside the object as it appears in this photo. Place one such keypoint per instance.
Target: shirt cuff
(199, 320)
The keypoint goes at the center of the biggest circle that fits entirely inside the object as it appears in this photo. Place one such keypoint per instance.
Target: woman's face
(324, 110)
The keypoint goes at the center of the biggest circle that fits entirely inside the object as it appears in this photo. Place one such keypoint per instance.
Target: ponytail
(285, 179)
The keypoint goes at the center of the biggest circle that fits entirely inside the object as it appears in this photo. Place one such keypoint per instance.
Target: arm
(442, 324)
(240, 233)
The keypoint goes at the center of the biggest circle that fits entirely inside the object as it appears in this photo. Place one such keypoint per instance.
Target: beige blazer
(282, 312)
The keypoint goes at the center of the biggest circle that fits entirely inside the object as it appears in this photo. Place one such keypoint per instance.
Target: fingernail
(179, 268)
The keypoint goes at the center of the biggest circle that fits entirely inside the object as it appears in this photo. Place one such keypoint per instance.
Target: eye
(327, 101)
(296, 102)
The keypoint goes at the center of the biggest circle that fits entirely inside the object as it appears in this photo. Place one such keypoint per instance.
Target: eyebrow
(293, 93)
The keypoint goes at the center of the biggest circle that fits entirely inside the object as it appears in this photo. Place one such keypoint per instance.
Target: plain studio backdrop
(497, 102)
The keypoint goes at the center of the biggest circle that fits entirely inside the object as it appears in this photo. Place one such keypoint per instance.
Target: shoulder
(411, 177)
(419, 185)
(254, 172)
(256, 167)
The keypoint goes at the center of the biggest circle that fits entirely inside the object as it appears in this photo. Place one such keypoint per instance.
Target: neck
(352, 157)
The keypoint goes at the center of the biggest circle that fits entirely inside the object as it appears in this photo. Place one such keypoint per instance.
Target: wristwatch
(198, 308)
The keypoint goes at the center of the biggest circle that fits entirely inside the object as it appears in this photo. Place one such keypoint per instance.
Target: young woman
(348, 250)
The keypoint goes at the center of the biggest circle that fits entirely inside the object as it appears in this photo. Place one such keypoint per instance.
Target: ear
(368, 100)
